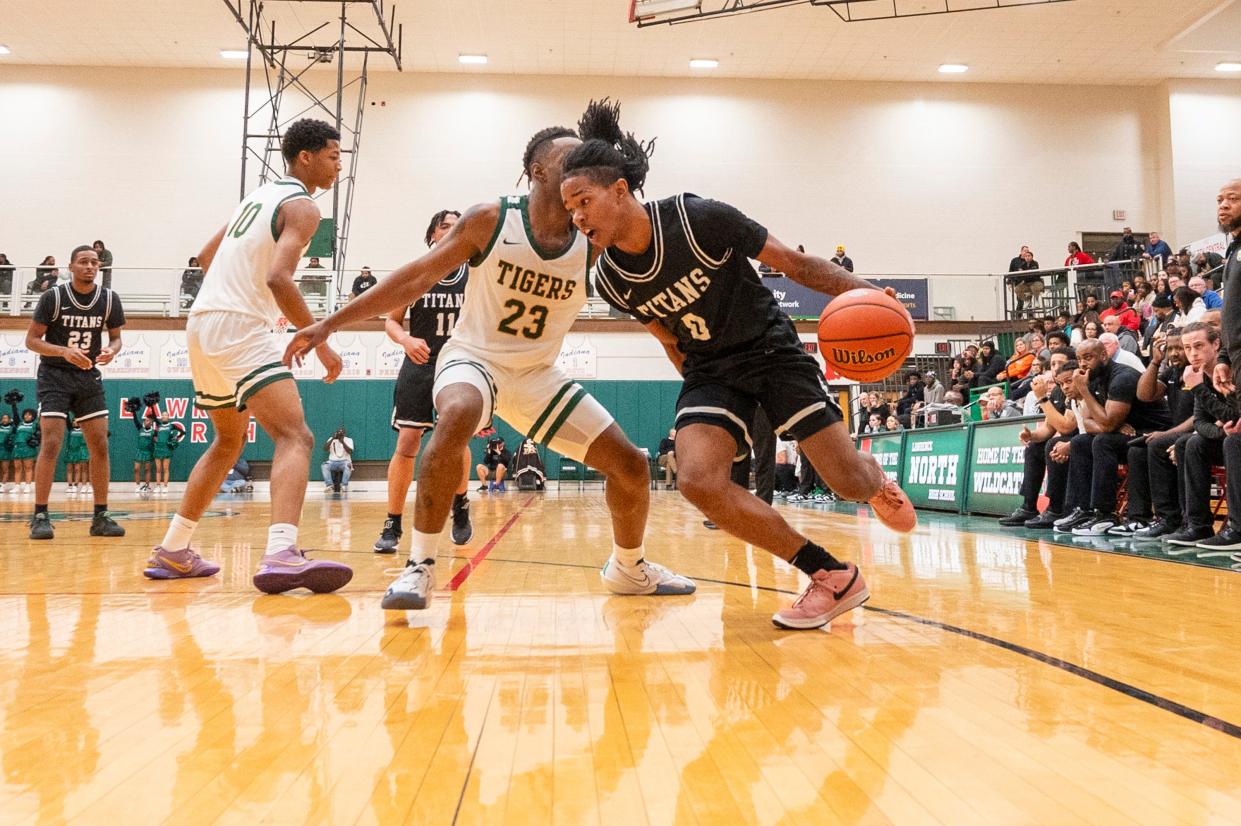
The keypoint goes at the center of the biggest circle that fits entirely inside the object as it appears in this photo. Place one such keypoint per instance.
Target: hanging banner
(15, 360)
(134, 361)
(578, 358)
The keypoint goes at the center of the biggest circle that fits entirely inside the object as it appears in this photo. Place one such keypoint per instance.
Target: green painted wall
(643, 408)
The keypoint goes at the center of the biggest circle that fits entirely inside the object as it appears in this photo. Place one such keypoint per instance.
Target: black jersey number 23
(533, 328)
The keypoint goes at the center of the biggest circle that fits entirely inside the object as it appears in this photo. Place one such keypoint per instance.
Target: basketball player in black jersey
(67, 332)
(431, 320)
(681, 266)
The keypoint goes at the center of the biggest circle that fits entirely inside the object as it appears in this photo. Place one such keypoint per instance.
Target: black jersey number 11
(538, 319)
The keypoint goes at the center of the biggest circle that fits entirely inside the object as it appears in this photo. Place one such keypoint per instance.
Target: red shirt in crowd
(1079, 259)
(1128, 316)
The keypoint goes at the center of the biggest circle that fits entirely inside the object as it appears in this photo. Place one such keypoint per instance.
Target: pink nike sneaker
(289, 569)
(182, 564)
(829, 594)
(893, 508)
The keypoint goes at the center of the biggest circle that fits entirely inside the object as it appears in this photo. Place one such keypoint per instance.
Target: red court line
(462, 575)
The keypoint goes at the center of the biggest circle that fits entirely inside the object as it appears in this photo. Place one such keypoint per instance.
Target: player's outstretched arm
(810, 271)
(406, 284)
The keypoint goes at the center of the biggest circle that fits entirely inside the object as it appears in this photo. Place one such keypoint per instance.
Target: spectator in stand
(1190, 306)
(874, 424)
(1089, 328)
(964, 368)
(1158, 249)
(339, 449)
(1161, 285)
(1119, 307)
(1176, 279)
(1210, 298)
(1077, 258)
(666, 458)
(1064, 322)
(1205, 448)
(991, 364)
(1206, 262)
(314, 263)
(1126, 338)
(191, 281)
(1056, 338)
(105, 263)
(1156, 484)
(1023, 393)
(1028, 288)
(1045, 391)
(1163, 316)
(1182, 258)
(496, 462)
(1142, 298)
(913, 393)
(1036, 326)
(1129, 248)
(1038, 346)
(362, 283)
(45, 277)
(933, 389)
(842, 260)
(893, 424)
(238, 478)
(6, 275)
(995, 406)
(1113, 415)
(1018, 365)
(875, 404)
(1017, 264)
(1111, 343)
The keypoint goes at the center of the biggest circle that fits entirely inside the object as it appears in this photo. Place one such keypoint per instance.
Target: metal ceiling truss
(672, 12)
(265, 116)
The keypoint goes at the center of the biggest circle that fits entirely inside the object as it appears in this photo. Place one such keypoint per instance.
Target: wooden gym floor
(992, 679)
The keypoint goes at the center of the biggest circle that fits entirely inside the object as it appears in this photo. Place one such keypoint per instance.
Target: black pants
(809, 476)
(764, 456)
(786, 478)
(1232, 466)
(1094, 462)
(1201, 455)
(1163, 479)
(1038, 463)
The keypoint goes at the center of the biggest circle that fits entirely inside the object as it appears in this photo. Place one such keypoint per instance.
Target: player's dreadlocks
(607, 152)
(541, 137)
(435, 222)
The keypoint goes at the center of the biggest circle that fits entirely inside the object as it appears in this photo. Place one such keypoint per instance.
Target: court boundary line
(462, 575)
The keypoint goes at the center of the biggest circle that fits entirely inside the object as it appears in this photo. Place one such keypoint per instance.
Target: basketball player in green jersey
(526, 287)
(235, 362)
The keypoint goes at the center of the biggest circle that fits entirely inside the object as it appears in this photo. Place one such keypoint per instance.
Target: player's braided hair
(435, 222)
(607, 152)
(536, 142)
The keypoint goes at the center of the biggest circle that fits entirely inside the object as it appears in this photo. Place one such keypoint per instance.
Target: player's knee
(631, 466)
(701, 486)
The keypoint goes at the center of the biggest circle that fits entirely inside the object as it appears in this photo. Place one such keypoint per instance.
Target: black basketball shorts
(412, 402)
(62, 391)
(783, 378)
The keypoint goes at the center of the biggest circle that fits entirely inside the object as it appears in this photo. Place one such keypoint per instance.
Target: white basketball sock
(281, 535)
(180, 532)
(424, 546)
(629, 557)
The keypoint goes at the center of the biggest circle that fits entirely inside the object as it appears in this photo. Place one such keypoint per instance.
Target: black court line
(1131, 691)
(465, 783)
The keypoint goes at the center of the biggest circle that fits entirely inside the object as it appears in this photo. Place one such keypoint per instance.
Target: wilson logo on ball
(861, 357)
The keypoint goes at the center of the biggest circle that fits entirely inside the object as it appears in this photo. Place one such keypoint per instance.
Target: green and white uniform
(520, 301)
(75, 447)
(231, 332)
(166, 441)
(22, 450)
(7, 440)
(146, 444)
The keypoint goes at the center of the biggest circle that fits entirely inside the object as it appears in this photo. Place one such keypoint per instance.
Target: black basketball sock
(812, 558)
(396, 521)
(101, 509)
(38, 509)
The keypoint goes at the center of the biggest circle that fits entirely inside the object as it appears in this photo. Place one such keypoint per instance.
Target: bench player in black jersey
(67, 332)
(680, 265)
(431, 320)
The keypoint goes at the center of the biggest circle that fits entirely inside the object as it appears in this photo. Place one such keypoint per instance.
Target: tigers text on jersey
(433, 317)
(695, 279)
(78, 320)
(237, 279)
(521, 300)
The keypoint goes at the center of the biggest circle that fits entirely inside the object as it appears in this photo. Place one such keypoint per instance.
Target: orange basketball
(865, 335)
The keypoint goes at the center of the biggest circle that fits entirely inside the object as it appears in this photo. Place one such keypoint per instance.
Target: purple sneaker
(182, 564)
(290, 569)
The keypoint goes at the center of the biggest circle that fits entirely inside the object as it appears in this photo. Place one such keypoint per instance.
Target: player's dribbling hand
(331, 362)
(77, 358)
(417, 350)
(303, 342)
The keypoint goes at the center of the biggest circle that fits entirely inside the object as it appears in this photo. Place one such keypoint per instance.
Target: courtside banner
(997, 464)
(886, 448)
(936, 467)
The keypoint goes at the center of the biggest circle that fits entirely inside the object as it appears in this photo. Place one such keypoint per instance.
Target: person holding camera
(339, 460)
(495, 464)
(68, 330)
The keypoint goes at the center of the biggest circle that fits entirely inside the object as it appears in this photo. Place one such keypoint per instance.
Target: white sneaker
(644, 578)
(87, 488)
(25, 487)
(71, 489)
(412, 588)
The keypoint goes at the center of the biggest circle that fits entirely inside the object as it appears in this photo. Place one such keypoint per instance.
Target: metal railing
(1038, 293)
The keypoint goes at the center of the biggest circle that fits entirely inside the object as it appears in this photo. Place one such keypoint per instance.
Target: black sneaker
(1128, 527)
(1185, 541)
(1222, 544)
(462, 530)
(103, 525)
(1099, 526)
(1045, 521)
(388, 539)
(1076, 518)
(41, 527)
(1018, 518)
(1157, 529)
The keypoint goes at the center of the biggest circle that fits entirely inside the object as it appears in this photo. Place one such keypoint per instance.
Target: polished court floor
(992, 679)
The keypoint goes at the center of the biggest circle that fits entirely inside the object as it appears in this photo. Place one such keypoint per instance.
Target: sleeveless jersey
(696, 280)
(434, 315)
(520, 300)
(77, 320)
(237, 280)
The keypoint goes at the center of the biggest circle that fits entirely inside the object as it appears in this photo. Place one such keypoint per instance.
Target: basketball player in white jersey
(235, 362)
(527, 284)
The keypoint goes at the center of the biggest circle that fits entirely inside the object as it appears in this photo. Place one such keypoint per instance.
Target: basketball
(865, 335)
